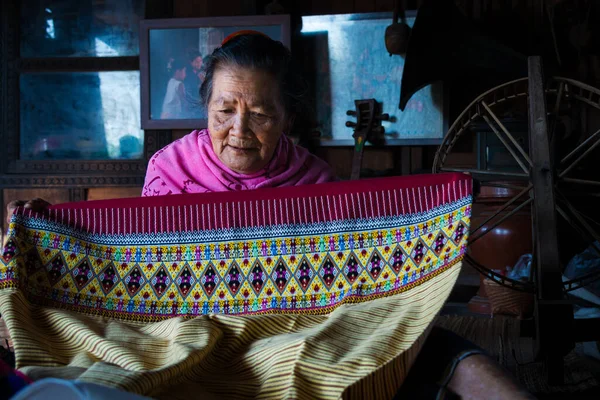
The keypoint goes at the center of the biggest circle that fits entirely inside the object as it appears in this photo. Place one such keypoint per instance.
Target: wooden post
(554, 315)
(405, 160)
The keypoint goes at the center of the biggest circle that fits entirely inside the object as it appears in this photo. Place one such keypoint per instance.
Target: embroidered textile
(356, 272)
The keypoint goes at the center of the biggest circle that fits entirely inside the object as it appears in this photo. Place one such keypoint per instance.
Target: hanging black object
(445, 46)
(397, 34)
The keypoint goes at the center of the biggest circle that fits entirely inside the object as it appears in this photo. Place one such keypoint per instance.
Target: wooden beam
(342, 6)
(225, 8)
(405, 160)
(159, 9)
(554, 316)
(384, 5)
(549, 273)
(364, 6)
(77, 194)
(416, 159)
(320, 7)
(190, 8)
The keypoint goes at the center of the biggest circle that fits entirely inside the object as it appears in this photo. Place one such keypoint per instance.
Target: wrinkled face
(246, 118)
(197, 63)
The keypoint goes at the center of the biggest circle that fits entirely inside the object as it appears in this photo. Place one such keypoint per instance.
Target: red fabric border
(327, 202)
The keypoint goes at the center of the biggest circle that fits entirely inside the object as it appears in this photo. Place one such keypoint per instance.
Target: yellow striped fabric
(358, 351)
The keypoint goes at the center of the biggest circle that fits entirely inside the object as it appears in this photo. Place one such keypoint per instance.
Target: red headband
(242, 32)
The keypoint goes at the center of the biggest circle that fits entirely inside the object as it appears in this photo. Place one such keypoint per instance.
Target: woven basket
(504, 300)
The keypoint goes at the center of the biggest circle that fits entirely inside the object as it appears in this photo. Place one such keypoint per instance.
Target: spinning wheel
(549, 179)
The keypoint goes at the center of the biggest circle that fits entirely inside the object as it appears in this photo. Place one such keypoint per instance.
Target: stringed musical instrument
(367, 128)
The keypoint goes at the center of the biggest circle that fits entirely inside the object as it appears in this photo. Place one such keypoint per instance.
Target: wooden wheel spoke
(581, 181)
(504, 218)
(508, 135)
(595, 138)
(502, 185)
(573, 211)
(499, 279)
(561, 89)
(568, 212)
(506, 144)
(504, 207)
(584, 194)
(576, 188)
(586, 100)
(511, 90)
(489, 174)
(567, 217)
(581, 281)
(579, 88)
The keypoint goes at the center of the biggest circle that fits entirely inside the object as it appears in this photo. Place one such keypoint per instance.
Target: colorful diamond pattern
(352, 268)
(108, 278)
(134, 280)
(82, 273)
(397, 259)
(209, 279)
(375, 265)
(160, 281)
(328, 271)
(56, 269)
(234, 278)
(32, 262)
(440, 242)
(185, 280)
(459, 234)
(252, 275)
(281, 276)
(10, 249)
(418, 252)
(305, 274)
(257, 277)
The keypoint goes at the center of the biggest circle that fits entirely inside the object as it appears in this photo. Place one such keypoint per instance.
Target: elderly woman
(252, 95)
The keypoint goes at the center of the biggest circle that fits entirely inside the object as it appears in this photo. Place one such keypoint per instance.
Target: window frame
(16, 172)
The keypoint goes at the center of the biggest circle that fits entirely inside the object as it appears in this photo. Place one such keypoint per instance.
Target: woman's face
(180, 74)
(197, 63)
(246, 118)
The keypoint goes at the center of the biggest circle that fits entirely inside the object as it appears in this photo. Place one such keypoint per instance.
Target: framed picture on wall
(172, 52)
(351, 62)
(71, 104)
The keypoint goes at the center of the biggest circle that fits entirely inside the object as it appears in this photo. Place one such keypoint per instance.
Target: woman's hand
(37, 205)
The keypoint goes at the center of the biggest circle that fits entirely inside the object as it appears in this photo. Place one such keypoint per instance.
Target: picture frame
(81, 166)
(169, 96)
(351, 63)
